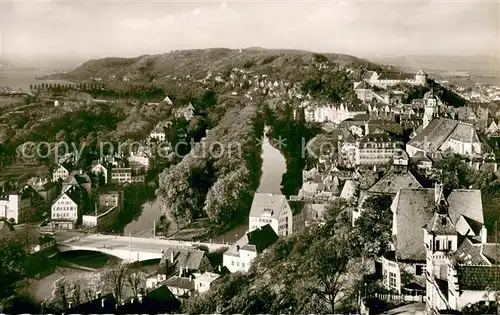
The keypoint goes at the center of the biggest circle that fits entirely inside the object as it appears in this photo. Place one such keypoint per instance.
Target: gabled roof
(103, 305)
(256, 241)
(368, 74)
(414, 209)
(260, 239)
(421, 72)
(474, 225)
(363, 86)
(67, 166)
(479, 278)
(192, 259)
(440, 225)
(394, 75)
(180, 282)
(466, 202)
(73, 193)
(439, 130)
(393, 181)
(267, 204)
(469, 253)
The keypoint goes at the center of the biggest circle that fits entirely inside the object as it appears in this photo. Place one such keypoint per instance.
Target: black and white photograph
(250, 157)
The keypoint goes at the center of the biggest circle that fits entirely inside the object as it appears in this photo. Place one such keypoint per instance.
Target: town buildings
(329, 113)
(392, 78)
(428, 214)
(61, 172)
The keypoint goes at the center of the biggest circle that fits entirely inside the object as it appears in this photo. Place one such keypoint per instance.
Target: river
(273, 167)
(22, 79)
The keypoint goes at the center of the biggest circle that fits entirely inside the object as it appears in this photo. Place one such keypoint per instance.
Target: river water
(273, 167)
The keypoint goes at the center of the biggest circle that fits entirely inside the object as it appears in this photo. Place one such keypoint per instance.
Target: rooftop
(267, 204)
(392, 181)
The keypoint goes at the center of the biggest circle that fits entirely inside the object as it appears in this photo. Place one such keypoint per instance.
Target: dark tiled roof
(479, 278)
(469, 253)
(492, 252)
(192, 259)
(179, 282)
(466, 202)
(262, 238)
(363, 85)
(439, 130)
(393, 75)
(414, 209)
(368, 74)
(103, 305)
(393, 181)
(441, 225)
(474, 225)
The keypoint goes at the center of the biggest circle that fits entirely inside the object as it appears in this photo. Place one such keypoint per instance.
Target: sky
(361, 28)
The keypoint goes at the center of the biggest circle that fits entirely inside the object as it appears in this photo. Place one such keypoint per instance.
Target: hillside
(199, 63)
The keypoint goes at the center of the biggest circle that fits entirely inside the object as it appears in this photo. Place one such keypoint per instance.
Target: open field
(23, 171)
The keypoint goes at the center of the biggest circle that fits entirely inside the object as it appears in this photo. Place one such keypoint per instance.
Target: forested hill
(198, 63)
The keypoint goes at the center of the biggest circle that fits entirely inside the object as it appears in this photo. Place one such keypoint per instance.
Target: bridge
(130, 248)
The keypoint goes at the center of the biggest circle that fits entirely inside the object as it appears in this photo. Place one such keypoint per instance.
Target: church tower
(430, 107)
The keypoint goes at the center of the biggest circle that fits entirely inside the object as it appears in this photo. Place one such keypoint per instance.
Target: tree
(12, 262)
(115, 278)
(20, 304)
(136, 278)
(372, 230)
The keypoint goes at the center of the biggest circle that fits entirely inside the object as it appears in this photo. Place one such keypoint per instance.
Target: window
(392, 280)
(243, 265)
(238, 263)
(449, 245)
(437, 244)
(419, 270)
(232, 262)
(385, 277)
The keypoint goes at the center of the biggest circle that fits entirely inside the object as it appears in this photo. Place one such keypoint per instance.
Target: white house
(332, 113)
(185, 112)
(273, 210)
(391, 78)
(99, 168)
(158, 133)
(15, 205)
(241, 254)
(203, 282)
(121, 175)
(67, 208)
(61, 172)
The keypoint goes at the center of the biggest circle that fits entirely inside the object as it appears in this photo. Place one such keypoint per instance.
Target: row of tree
(217, 178)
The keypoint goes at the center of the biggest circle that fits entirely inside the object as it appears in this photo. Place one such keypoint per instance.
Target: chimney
(70, 304)
(103, 302)
(484, 235)
(180, 271)
(367, 130)
(220, 268)
(172, 257)
(98, 294)
(191, 278)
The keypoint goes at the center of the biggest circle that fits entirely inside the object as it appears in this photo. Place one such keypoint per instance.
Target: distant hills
(199, 62)
(480, 66)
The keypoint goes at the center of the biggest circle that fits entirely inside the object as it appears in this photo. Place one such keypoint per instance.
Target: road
(410, 309)
(133, 243)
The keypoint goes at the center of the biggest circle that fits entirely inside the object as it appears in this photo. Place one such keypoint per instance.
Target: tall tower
(421, 78)
(430, 107)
